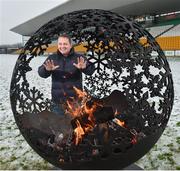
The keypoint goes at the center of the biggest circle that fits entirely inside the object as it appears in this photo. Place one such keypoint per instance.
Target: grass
(165, 156)
(170, 145)
(161, 157)
(178, 124)
(177, 167)
(178, 140)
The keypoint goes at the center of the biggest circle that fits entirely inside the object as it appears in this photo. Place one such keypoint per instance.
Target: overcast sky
(15, 12)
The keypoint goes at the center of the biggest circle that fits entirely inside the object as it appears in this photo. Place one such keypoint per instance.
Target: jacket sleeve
(90, 68)
(43, 72)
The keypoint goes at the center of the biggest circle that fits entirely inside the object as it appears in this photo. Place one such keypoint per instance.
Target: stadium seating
(170, 39)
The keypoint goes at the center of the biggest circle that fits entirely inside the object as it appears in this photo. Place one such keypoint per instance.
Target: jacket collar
(71, 53)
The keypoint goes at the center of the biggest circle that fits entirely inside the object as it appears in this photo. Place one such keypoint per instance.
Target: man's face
(64, 46)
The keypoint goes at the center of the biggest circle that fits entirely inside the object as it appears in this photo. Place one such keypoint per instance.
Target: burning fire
(82, 109)
(79, 108)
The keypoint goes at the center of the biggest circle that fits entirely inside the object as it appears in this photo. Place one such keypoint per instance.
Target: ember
(121, 123)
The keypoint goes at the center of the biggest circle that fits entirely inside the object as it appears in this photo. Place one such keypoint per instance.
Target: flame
(73, 108)
(91, 110)
(79, 133)
(81, 94)
(117, 121)
(116, 112)
(77, 108)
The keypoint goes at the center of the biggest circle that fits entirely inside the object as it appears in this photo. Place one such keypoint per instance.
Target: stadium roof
(124, 7)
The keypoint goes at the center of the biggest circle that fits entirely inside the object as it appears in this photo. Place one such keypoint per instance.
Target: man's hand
(81, 63)
(49, 65)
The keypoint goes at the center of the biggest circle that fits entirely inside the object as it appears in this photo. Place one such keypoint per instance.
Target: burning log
(117, 100)
(88, 112)
(103, 114)
(103, 133)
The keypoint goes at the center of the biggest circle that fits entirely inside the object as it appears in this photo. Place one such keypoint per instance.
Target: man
(66, 69)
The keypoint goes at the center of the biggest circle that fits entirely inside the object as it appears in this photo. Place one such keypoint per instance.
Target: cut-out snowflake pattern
(114, 45)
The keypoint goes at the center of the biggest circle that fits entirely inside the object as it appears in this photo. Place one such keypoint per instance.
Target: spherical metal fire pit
(131, 89)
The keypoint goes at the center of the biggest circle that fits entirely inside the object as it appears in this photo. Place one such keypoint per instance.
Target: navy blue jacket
(66, 76)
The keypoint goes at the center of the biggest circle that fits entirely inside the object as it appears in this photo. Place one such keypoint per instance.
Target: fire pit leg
(133, 167)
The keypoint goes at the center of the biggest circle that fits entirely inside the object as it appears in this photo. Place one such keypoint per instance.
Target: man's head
(64, 44)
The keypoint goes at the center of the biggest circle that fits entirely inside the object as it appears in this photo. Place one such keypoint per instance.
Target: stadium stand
(167, 34)
(154, 31)
(174, 32)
